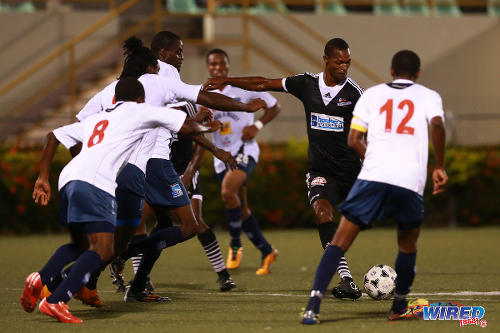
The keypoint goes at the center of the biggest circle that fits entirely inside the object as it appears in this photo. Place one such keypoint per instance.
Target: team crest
(343, 102)
(176, 190)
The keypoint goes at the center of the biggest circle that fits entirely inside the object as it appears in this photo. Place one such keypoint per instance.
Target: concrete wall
(460, 59)
(26, 38)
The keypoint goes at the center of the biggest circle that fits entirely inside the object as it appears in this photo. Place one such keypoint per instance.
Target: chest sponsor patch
(226, 128)
(325, 122)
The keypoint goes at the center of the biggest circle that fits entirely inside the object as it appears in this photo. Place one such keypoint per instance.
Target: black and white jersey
(182, 146)
(329, 114)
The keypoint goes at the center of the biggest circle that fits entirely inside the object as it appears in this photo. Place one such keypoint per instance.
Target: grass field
(459, 265)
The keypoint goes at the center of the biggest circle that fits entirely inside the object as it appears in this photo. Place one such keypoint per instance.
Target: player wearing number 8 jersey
(87, 188)
(391, 183)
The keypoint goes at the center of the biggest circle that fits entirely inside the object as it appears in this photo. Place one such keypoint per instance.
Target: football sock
(326, 269)
(212, 250)
(326, 231)
(136, 260)
(149, 257)
(88, 263)
(343, 269)
(253, 232)
(405, 268)
(159, 240)
(234, 218)
(53, 268)
(92, 283)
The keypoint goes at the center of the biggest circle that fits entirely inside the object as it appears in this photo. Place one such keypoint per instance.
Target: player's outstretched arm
(256, 83)
(41, 192)
(192, 127)
(221, 154)
(438, 137)
(356, 140)
(224, 103)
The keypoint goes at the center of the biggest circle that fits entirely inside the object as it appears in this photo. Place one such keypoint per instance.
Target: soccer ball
(380, 282)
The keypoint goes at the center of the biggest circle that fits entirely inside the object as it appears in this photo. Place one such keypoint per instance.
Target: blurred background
(55, 55)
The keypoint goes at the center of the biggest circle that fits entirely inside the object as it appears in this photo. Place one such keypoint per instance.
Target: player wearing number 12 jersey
(391, 183)
(329, 98)
(87, 190)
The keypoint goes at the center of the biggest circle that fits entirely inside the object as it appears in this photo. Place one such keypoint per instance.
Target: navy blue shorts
(130, 196)
(370, 201)
(245, 162)
(82, 202)
(163, 185)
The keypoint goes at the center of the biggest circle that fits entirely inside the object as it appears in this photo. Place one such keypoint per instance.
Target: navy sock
(405, 268)
(92, 284)
(82, 269)
(53, 268)
(159, 239)
(252, 230)
(324, 274)
(326, 231)
(234, 218)
(148, 260)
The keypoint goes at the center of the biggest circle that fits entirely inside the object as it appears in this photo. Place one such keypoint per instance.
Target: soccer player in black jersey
(329, 98)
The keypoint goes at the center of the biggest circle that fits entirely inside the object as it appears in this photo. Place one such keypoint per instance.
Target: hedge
(276, 190)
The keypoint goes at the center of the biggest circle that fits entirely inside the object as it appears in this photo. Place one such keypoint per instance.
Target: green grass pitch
(450, 264)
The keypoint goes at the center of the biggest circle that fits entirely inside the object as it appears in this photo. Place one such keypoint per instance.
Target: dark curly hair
(138, 58)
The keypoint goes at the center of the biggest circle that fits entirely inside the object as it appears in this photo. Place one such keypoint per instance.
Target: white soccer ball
(380, 282)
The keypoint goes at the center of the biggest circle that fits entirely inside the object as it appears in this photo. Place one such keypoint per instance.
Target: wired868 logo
(466, 315)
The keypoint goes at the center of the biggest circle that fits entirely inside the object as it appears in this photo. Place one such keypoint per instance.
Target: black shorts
(323, 186)
(194, 191)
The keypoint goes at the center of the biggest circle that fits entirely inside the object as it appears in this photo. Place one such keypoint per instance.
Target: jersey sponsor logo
(226, 128)
(321, 181)
(176, 190)
(343, 102)
(325, 122)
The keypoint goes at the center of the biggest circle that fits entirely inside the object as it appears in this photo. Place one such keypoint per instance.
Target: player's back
(397, 116)
(109, 138)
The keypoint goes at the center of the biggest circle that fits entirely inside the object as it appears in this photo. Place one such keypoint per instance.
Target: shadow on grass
(361, 315)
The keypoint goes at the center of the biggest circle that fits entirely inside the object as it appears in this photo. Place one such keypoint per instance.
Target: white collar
(402, 81)
(328, 93)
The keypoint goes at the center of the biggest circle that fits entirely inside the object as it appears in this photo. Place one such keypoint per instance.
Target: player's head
(337, 59)
(139, 59)
(405, 64)
(217, 63)
(168, 47)
(129, 89)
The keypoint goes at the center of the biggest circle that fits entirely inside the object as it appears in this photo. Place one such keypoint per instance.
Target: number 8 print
(99, 129)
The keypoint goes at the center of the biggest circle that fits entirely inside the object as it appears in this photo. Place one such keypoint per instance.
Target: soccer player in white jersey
(395, 117)
(160, 91)
(87, 188)
(237, 135)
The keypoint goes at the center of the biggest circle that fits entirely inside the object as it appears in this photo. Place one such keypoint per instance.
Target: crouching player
(87, 187)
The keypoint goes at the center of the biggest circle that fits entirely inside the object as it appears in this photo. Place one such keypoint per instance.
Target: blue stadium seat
(183, 6)
(335, 7)
(416, 7)
(494, 7)
(446, 7)
(387, 7)
(266, 7)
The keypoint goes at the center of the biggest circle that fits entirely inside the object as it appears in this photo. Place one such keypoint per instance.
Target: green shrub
(276, 190)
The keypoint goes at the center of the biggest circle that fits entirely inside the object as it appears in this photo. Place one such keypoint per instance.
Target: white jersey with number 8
(108, 139)
(397, 116)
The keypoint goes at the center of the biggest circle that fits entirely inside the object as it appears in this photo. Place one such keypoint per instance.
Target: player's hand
(186, 179)
(41, 192)
(214, 83)
(256, 104)
(214, 125)
(439, 179)
(227, 158)
(249, 132)
(204, 114)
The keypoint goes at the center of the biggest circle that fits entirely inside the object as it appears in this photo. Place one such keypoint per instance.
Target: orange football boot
(89, 297)
(32, 288)
(265, 268)
(234, 257)
(60, 311)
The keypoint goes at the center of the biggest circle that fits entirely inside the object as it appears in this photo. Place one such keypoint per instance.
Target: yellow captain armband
(355, 124)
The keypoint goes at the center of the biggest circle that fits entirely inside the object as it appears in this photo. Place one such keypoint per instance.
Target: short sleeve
(294, 85)
(435, 106)
(70, 135)
(182, 91)
(93, 106)
(361, 113)
(171, 119)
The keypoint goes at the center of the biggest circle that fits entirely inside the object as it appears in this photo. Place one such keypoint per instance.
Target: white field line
(233, 293)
